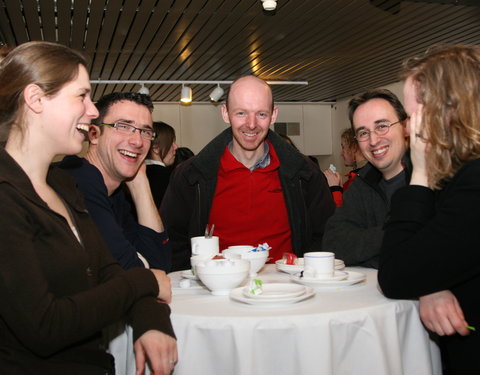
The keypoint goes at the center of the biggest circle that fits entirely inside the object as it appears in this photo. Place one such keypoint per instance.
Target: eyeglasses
(125, 128)
(381, 129)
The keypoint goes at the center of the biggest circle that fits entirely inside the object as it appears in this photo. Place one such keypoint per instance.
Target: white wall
(197, 124)
(321, 125)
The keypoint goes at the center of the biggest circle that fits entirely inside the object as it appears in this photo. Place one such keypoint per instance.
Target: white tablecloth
(350, 330)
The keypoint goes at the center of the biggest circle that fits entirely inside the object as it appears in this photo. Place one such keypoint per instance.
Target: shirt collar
(263, 162)
(154, 162)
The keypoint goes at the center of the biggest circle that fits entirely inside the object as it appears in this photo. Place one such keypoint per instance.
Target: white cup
(205, 245)
(319, 265)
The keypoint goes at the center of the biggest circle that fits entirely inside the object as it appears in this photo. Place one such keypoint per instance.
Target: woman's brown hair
(165, 136)
(48, 65)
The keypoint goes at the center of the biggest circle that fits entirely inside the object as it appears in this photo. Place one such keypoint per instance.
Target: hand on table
(159, 349)
(441, 313)
(333, 178)
(164, 285)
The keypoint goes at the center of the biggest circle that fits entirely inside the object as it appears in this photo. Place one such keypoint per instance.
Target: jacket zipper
(199, 208)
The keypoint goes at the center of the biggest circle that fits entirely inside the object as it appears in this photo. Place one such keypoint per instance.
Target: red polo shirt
(248, 206)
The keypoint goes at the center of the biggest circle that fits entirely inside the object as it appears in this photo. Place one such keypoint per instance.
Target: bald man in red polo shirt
(250, 183)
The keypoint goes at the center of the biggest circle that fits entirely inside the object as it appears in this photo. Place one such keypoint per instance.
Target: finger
(460, 324)
(139, 359)
(437, 328)
(418, 130)
(413, 126)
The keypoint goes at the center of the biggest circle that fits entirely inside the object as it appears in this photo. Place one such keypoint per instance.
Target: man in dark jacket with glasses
(355, 232)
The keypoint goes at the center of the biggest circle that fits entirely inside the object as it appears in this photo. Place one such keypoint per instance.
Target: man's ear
(225, 114)
(94, 134)
(274, 115)
(34, 96)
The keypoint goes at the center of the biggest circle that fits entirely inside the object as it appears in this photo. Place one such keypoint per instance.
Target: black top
(158, 176)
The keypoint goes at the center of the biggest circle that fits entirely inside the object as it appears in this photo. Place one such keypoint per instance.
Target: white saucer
(188, 274)
(276, 291)
(237, 295)
(353, 278)
(295, 268)
(290, 268)
(338, 275)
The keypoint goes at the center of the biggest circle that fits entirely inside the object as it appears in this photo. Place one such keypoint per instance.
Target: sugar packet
(255, 287)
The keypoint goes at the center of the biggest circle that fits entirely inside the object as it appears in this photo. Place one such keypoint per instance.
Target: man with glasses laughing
(119, 140)
(355, 231)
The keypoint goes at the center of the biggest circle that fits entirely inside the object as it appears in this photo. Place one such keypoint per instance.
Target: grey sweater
(355, 232)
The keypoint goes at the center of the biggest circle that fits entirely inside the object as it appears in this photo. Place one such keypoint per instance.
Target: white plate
(353, 278)
(338, 275)
(188, 274)
(276, 290)
(237, 295)
(295, 268)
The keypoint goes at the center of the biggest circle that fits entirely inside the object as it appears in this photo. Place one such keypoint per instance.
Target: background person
(59, 285)
(160, 160)
(353, 158)
(249, 182)
(182, 154)
(430, 244)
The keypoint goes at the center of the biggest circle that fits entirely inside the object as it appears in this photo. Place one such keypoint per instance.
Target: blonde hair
(447, 82)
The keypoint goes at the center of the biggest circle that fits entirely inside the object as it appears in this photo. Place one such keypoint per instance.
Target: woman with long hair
(430, 248)
(59, 285)
(160, 160)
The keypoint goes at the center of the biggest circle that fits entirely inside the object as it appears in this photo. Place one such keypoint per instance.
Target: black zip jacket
(186, 205)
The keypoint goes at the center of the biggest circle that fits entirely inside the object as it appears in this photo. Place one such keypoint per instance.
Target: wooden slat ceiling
(340, 47)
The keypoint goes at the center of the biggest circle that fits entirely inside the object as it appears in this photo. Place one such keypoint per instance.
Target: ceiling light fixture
(186, 89)
(186, 94)
(216, 94)
(269, 5)
(144, 90)
(184, 82)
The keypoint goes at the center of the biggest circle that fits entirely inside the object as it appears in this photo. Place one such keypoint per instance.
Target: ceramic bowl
(196, 259)
(257, 259)
(222, 275)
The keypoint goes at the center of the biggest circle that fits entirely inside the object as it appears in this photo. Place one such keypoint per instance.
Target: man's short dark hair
(108, 100)
(376, 94)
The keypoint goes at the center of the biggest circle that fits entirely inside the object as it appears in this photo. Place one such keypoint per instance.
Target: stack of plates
(341, 278)
(273, 294)
(296, 268)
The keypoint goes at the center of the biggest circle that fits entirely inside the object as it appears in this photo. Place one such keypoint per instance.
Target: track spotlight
(144, 90)
(186, 94)
(216, 94)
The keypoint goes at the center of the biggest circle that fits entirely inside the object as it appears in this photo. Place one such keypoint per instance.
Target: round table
(343, 330)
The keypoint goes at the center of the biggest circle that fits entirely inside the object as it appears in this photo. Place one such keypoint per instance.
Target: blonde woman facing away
(430, 248)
